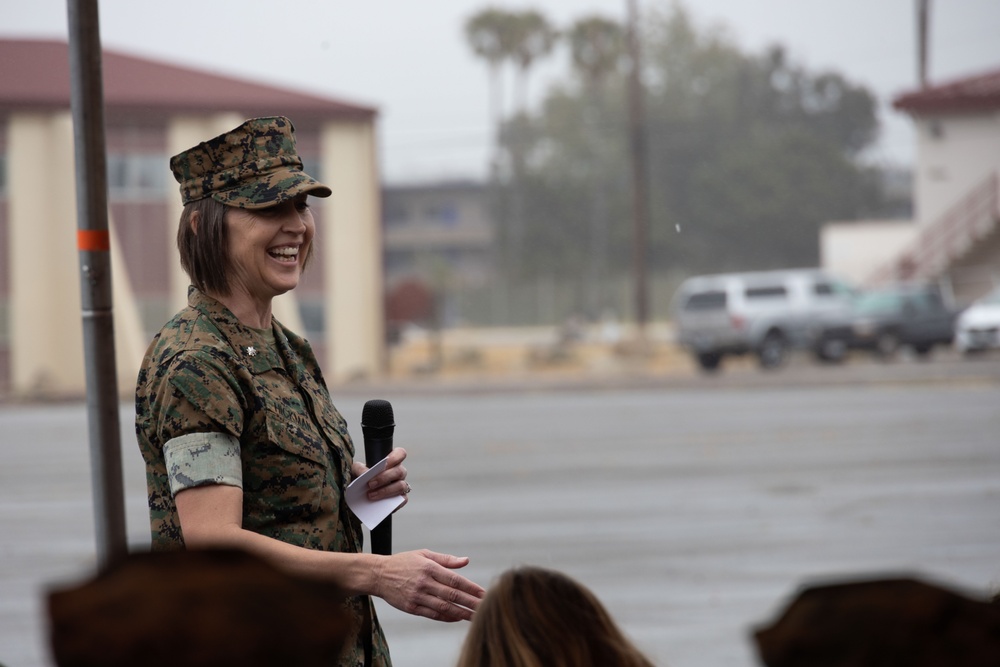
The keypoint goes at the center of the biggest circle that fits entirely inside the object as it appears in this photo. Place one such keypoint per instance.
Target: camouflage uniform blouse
(206, 372)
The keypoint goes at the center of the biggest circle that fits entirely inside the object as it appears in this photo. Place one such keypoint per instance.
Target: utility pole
(93, 243)
(640, 175)
(923, 45)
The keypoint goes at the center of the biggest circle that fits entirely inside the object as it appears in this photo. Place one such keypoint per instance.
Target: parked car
(885, 320)
(978, 327)
(766, 313)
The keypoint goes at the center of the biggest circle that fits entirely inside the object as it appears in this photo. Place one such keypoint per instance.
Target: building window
(399, 261)
(137, 175)
(443, 213)
(395, 214)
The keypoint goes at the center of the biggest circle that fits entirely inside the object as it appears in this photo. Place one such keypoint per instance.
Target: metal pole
(923, 46)
(640, 176)
(93, 243)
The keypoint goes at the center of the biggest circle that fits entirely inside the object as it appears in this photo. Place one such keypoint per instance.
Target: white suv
(767, 313)
(978, 327)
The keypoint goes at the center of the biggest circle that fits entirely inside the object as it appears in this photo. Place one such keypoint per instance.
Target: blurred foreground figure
(198, 609)
(883, 623)
(532, 617)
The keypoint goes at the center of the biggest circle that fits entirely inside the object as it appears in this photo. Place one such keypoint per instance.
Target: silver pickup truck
(766, 313)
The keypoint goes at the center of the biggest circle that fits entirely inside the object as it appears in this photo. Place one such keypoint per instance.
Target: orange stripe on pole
(93, 239)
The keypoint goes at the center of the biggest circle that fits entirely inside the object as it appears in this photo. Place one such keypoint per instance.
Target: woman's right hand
(424, 583)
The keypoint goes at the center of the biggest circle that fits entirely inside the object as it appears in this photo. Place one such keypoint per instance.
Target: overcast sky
(409, 58)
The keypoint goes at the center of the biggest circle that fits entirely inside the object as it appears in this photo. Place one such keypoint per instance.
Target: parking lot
(693, 506)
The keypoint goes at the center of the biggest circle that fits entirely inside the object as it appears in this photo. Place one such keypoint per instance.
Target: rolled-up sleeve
(197, 459)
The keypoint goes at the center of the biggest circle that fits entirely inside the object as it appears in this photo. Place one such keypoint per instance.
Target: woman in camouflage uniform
(242, 444)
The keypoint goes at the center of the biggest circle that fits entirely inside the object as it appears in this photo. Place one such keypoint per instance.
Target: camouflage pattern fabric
(206, 372)
(252, 166)
(197, 459)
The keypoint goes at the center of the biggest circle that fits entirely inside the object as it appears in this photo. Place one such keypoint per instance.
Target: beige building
(955, 236)
(154, 110)
(439, 236)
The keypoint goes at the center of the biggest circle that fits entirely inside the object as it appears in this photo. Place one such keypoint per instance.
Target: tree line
(748, 153)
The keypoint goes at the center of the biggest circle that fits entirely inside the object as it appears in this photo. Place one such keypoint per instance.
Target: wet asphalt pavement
(693, 506)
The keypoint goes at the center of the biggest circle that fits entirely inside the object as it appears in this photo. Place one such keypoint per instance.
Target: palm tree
(597, 47)
(522, 38)
(490, 34)
(533, 38)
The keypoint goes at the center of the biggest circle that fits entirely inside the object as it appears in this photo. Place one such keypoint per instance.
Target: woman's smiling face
(268, 247)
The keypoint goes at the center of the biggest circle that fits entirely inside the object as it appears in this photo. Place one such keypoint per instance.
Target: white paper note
(371, 512)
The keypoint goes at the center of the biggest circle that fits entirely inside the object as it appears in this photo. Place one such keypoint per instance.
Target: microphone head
(377, 413)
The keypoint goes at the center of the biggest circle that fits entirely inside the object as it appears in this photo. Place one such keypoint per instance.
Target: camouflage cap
(252, 166)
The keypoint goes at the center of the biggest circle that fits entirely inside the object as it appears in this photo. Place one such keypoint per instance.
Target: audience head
(534, 617)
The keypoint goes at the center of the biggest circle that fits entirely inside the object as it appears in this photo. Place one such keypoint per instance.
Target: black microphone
(377, 426)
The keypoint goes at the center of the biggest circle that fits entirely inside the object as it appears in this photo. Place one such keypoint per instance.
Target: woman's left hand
(425, 583)
(390, 482)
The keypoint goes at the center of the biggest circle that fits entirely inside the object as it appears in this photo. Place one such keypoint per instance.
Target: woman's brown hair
(533, 617)
(204, 246)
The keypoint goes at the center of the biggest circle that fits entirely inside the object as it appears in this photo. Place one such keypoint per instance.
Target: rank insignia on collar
(252, 351)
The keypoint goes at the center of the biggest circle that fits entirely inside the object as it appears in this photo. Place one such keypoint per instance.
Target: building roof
(970, 94)
(36, 75)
